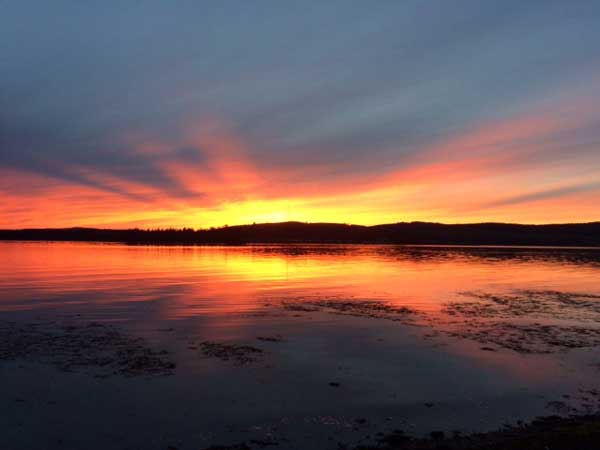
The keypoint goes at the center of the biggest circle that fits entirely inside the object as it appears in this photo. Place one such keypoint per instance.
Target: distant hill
(576, 234)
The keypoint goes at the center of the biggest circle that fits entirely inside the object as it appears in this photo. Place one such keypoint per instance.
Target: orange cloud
(504, 170)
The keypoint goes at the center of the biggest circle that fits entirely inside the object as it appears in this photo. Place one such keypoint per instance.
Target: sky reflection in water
(179, 296)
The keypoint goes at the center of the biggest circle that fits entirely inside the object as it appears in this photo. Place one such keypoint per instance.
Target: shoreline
(403, 233)
(313, 244)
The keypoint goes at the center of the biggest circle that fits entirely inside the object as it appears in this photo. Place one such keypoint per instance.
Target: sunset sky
(198, 113)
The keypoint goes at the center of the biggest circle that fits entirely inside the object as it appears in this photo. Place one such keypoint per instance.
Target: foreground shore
(103, 351)
(546, 433)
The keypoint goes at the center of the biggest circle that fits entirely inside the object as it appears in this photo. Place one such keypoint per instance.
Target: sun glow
(487, 173)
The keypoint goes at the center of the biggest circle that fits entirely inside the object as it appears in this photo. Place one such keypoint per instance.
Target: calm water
(413, 375)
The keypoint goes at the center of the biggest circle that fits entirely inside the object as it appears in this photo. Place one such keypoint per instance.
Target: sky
(200, 113)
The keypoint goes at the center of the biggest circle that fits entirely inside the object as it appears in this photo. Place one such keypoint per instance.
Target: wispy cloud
(548, 194)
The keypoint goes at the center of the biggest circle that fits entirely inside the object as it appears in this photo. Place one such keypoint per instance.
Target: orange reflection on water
(224, 286)
(230, 279)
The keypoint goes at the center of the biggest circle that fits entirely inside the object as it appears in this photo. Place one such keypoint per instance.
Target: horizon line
(80, 227)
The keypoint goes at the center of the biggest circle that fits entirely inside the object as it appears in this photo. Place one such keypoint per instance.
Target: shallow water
(327, 374)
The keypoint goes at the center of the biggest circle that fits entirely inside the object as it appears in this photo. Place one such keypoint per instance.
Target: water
(422, 371)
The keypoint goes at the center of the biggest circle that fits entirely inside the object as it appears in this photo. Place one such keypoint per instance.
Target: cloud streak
(548, 194)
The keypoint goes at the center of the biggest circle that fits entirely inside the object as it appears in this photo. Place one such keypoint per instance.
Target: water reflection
(387, 366)
(230, 279)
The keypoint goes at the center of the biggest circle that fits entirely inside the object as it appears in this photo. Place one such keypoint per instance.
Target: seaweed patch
(101, 348)
(362, 308)
(239, 354)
